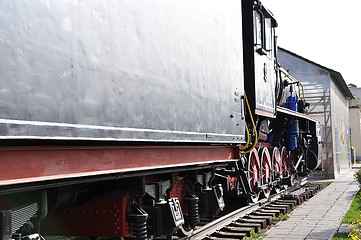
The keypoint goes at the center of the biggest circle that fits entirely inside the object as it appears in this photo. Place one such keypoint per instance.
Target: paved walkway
(320, 217)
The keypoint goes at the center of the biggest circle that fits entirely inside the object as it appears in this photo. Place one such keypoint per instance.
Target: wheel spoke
(266, 168)
(253, 174)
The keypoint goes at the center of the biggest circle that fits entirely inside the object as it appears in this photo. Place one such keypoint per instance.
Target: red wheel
(266, 168)
(276, 163)
(285, 163)
(277, 167)
(254, 168)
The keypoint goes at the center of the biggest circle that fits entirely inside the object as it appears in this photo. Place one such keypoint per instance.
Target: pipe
(253, 125)
(299, 161)
(293, 79)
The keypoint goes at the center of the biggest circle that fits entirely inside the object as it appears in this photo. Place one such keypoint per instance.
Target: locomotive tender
(129, 118)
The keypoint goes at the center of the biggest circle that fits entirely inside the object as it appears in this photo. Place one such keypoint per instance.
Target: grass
(281, 217)
(353, 215)
(340, 236)
(354, 212)
(255, 235)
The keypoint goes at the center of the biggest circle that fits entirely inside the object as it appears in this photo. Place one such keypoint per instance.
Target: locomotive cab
(260, 61)
(283, 138)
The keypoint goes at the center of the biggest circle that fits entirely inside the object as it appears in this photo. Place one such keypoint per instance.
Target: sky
(327, 32)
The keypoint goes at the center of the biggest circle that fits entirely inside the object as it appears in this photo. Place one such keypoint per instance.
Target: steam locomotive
(139, 118)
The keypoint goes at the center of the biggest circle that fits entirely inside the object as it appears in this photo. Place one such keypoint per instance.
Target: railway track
(241, 222)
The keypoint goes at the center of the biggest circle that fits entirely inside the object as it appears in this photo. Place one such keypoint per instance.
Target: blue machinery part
(292, 125)
(291, 102)
(293, 133)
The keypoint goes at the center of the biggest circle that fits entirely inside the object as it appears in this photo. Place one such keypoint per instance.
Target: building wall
(355, 123)
(328, 105)
(317, 84)
(340, 129)
(355, 120)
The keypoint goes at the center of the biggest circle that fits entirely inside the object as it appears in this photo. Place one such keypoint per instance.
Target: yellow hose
(253, 125)
(303, 92)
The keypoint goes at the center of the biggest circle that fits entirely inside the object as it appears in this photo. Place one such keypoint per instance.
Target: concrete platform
(320, 217)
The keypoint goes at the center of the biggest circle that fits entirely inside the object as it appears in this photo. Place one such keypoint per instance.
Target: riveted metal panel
(168, 71)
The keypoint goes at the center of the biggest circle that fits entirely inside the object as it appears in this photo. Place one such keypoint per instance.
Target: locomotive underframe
(31, 170)
(30, 173)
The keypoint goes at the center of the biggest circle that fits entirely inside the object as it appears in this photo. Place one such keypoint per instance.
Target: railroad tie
(262, 222)
(255, 226)
(275, 212)
(234, 235)
(268, 219)
(246, 230)
(291, 203)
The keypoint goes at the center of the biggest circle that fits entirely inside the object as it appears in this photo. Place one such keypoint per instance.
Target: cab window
(262, 34)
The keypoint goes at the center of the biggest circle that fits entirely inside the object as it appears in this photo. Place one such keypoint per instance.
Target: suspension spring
(139, 218)
(140, 229)
(192, 210)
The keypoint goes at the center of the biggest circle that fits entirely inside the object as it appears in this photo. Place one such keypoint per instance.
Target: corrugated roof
(334, 74)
